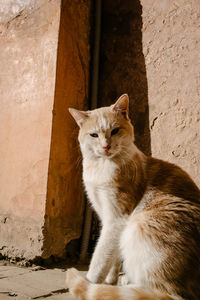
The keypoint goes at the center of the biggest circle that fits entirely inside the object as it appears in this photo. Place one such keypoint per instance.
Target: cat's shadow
(122, 64)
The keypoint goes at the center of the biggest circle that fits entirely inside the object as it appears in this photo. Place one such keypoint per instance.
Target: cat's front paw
(94, 278)
(111, 278)
(123, 279)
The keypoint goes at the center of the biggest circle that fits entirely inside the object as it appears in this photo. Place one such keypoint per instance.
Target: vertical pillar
(65, 202)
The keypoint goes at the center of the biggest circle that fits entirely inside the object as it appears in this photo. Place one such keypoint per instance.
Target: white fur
(121, 237)
(98, 177)
(98, 173)
(112, 276)
(106, 252)
(138, 253)
(123, 279)
(143, 202)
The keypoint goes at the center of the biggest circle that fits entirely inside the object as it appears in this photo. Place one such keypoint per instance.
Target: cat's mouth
(106, 154)
(109, 153)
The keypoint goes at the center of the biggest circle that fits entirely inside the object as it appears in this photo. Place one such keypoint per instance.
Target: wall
(44, 71)
(28, 51)
(45, 58)
(171, 47)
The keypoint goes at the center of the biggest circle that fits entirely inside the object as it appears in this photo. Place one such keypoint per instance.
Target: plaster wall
(28, 52)
(150, 49)
(171, 46)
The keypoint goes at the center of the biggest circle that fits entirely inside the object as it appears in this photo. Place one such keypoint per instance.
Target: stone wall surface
(171, 46)
(28, 52)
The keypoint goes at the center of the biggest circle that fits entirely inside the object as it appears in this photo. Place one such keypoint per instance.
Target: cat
(149, 210)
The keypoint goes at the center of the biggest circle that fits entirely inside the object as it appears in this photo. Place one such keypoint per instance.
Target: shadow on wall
(122, 64)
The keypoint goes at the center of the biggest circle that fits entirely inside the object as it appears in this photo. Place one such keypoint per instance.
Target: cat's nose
(106, 148)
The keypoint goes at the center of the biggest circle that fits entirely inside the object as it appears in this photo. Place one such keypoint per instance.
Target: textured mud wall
(28, 48)
(154, 42)
(171, 45)
(65, 203)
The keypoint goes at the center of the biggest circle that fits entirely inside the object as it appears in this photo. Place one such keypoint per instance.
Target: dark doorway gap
(122, 64)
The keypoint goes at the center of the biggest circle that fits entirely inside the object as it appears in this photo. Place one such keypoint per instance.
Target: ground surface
(32, 283)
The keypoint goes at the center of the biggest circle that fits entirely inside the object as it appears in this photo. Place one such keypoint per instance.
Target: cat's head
(105, 132)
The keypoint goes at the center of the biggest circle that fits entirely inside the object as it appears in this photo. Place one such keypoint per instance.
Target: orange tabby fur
(150, 212)
(81, 288)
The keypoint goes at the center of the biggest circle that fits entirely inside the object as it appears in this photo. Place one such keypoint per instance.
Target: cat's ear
(122, 104)
(78, 115)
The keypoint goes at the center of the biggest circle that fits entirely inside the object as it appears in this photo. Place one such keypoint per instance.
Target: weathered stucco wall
(171, 45)
(28, 51)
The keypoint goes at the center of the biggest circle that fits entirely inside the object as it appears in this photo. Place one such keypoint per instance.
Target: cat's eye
(115, 131)
(95, 135)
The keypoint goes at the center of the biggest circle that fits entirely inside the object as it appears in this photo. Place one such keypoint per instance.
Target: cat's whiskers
(79, 161)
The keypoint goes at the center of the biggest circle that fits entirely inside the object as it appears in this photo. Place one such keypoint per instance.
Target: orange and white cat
(149, 211)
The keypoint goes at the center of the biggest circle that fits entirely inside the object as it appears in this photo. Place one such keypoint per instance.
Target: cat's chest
(99, 174)
(100, 186)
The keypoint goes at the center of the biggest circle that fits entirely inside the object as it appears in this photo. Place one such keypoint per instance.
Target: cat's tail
(84, 290)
